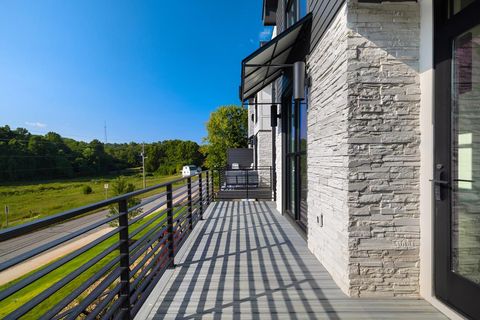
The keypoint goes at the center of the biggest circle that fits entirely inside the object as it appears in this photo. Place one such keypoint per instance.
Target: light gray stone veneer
(363, 149)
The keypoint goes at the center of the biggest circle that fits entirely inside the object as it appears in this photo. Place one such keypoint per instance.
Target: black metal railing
(246, 183)
(111, 276)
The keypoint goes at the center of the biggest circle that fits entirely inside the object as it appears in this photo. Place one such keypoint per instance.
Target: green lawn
(32, 200)
(21, 297)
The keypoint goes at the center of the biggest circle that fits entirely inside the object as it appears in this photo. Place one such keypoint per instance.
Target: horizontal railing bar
(146, 213)
(182, 219)
(121, 315)
(149, 232)
(147, 256)
(94, 294)
(179, 208)
(149, 267)
(195, 184)
(22, 229)
(61, 283)
(35, 276)
(114, 307)
(144, 203)
(138, 254)
(180, 244)
(181, 199)
(182, 215)
(148, 278)
(105, 302)
(135, 245)
(75, 293)
(152, 281)
(177, 195)
(180, 186)
(27, 255)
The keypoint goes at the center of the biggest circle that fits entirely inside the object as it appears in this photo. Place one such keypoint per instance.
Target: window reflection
(465, 219)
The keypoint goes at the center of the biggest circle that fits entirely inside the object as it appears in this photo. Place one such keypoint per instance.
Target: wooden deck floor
(245, 261)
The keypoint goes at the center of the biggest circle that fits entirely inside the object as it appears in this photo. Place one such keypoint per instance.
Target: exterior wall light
(299, 80)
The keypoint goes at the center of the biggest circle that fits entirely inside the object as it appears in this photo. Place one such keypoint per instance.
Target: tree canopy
(27, 156)
(227, 128)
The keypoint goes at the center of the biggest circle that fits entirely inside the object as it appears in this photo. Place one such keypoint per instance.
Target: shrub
(121, 186)
(87, 190)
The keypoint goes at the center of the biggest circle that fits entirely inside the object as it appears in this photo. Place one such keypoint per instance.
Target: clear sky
(153, 70)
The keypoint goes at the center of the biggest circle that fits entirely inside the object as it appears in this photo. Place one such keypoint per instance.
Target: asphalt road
(17, 246)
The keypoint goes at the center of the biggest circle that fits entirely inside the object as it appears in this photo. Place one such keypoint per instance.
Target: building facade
(377, 159)
(260, 129)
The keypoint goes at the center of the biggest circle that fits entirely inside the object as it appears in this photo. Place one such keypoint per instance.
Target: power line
(143, 165)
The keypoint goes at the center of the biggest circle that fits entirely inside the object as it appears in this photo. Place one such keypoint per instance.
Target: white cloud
(36, 124)
(266, 34)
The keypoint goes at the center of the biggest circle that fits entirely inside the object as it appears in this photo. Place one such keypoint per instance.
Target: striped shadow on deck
(245, 261)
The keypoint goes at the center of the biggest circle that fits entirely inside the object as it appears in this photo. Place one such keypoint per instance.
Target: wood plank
(246, 261)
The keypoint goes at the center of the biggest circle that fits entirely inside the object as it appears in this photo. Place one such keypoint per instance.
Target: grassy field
(13, 302)
(32, 200)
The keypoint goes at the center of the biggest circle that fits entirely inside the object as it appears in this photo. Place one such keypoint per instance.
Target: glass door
(465, 250)
(457, 168)
(291, 159)
(296, 162)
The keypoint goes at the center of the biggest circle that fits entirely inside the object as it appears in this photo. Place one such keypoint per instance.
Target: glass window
(459, 5)
(256, 110)
(303, 127)
(465, 219)
(292, 128)
(292, 12)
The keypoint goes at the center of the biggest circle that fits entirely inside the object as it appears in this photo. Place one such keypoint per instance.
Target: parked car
(190, 170)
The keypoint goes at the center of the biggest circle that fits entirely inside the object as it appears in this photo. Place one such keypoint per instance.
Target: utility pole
(143, 165)
(105, 130)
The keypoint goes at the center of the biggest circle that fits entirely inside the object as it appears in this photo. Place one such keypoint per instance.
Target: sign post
(6, 214)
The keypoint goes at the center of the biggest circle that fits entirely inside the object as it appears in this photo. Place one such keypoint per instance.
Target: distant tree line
(26, 156)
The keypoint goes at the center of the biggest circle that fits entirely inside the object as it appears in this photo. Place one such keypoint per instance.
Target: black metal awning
(266, 64)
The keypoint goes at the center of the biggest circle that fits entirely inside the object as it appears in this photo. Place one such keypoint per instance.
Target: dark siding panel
(323, 12)
(242, 156)
(281, 16)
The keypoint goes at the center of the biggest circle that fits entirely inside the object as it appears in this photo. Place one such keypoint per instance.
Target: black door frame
(287, 103)
(449, 287)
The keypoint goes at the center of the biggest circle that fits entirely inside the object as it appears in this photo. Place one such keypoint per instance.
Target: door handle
(439, 183)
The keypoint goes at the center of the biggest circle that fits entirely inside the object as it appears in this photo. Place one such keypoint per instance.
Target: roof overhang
(267, 63)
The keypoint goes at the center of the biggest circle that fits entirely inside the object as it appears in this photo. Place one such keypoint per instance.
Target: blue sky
(153, 70)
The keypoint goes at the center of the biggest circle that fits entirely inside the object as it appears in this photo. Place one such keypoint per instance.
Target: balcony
(246, 260)
(185, 256)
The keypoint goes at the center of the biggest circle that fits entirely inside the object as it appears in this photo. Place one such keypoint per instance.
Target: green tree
(27, 156)
(121, 186)
(227, 128)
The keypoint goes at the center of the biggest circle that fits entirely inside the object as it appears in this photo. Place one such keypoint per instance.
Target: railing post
(219, 179)
(170, 231)
(200, 190)
(247, 182)
(271, 184)
(124, 258)
(190, 209)
(212, 187)
(208, 188)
